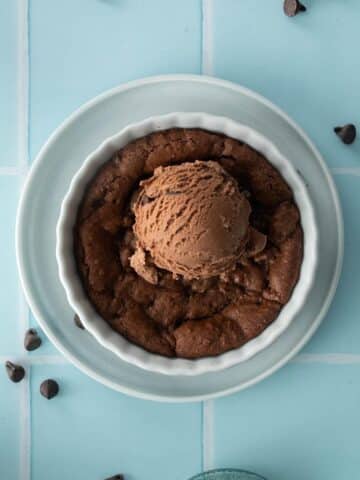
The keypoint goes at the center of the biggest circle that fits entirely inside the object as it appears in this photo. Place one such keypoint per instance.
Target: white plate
(49, 180)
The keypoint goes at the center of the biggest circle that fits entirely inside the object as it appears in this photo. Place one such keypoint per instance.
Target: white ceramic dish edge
(74, 290)
(22, 225)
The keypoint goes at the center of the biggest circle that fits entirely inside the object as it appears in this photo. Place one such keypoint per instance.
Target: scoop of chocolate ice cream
(191, 219)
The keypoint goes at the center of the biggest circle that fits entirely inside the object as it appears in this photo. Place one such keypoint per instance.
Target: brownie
(178, 317)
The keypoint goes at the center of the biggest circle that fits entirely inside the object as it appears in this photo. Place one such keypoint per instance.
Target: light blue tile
(10, 337)
(302, 423)
(306, 64)
(340, 331)
(8, 82)
(79, 49)
(10, 418)
(100, 432)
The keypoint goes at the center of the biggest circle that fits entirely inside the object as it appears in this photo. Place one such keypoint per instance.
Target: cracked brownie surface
(177, 316)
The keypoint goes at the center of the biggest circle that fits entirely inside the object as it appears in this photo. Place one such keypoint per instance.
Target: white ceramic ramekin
(72, 283)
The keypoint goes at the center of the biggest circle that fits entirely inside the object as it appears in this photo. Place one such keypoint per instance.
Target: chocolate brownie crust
(178, 317)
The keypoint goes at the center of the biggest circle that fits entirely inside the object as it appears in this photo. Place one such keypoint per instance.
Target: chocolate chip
(116, 477)
(15, 372)
(32, 341)
(293, 7)
(49, 388)
(347, 133)
(78, 322)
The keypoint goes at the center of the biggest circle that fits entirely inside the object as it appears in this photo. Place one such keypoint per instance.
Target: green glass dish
(227, 474)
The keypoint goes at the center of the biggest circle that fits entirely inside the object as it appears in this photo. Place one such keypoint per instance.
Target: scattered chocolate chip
(78, 322)
(49, 388)
(347, 133)
(293, 7)
(32, 341)
(116, 477)
(15, 372)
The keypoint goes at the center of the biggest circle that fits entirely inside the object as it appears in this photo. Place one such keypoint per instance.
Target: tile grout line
(23, 120)
(48, 360)
(23, 86)
(345, 171)
(208, 435)
(25, 434)
(327, 358)
(9, 171)
(206, 40)
(23, 157)
(30, 360)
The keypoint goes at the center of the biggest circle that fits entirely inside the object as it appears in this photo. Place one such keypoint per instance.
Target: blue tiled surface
(8, 75)
(306, 64)
(79, 49)
(301, 423)
(110, 433)
(340, 331)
